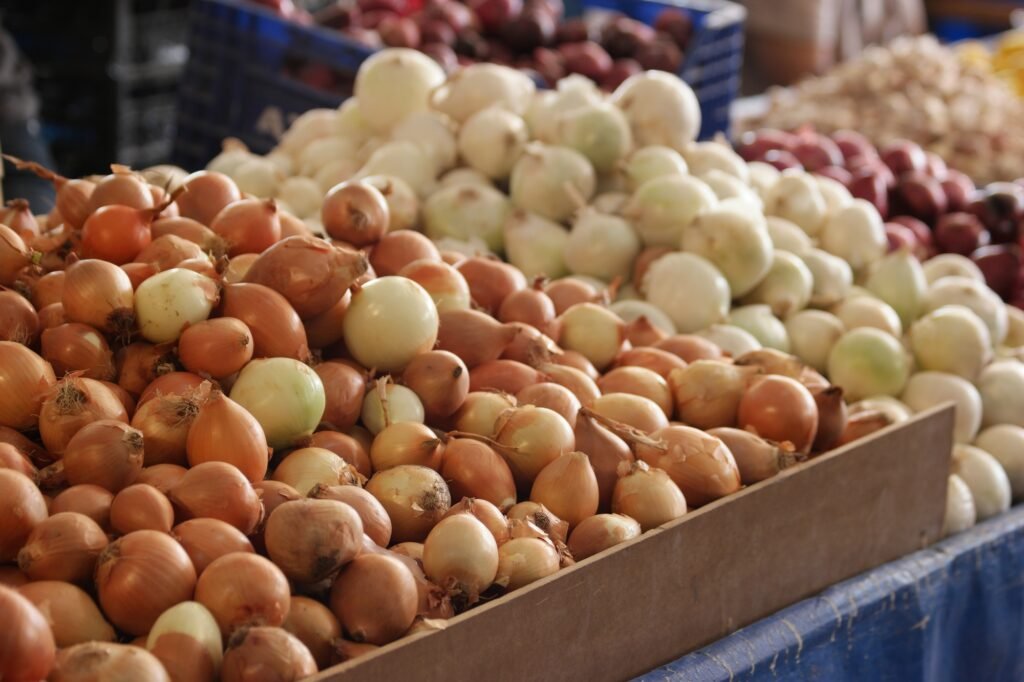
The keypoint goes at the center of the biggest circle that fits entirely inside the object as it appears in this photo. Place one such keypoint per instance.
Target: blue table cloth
(952, 612)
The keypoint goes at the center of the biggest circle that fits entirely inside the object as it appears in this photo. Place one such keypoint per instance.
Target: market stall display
(445, 341)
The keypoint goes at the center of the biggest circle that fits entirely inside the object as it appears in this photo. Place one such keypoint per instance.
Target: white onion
(464, 176)
(168, 301)
(433, 133)
(1014, 327)
(630, 309)
(663, 207)
(464, 211)
(832, 276)
(671, 284)
(735, 241)
(629, 292)
(891, 407)
(482, 85)
(812, 333)
(660, 107)
(976, 296)
(311, 125)
(1002, 392)
(731, 339)
(349, 122)
(856, 234)
(1005, 442)
(593, 331)
(960, 512)
(539, 115)
(611, 203)
(758, 321)
(547, 106)
(192, 619)
(796, 197)
(728, 187)
(283, 162)
(401, 404)
(470, 247)
(599, 132)
(703, 157)
(318, 153)
(986, 479)
(865, 311)
(257, 176)
(868, 362)
(230, 157)
(284, 395)
(763, 177)
(834, 192)
(786, 288)
(552, 181)
(601, 246)
(303, 195)
(404, 160)
(899, 280)
(951, 265)
(403, 204)
(788, 236)
(651, 162)
(389, 321)
(536, 245)
(335, 173)
(951, 339)
(492, 140)
(928, 389)
(394, 83)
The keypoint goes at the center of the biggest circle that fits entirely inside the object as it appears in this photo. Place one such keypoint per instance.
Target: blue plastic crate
(238, 82)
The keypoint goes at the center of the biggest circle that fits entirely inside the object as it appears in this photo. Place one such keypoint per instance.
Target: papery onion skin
(781, 409)
(405, 443)
(100, 295)
(248, 225)
(27, 649)
(206, 540)
(72, 615)
(276, 328)
(375, 599)
(522, 561)
(305, 468)
(507, 376)
(314, 625)
(263, 385)
(701, 465)
(345, 389)
(217, 490)
(311, 539)
(73, 404)
(169, 301)
(647, 495)
(375, 519)
(390, 403)
(552, 396)
(106, 453)
(539, 516)
(344, 446)
(75, 347)
(275, 653)
(440, 379)
(141, 507)
(535, 436)
(606, 452)
(187, 641)
(597, 533)
(415, 497)
(90, 500)
(654, 359)
(486, 513)
(63, 547)
(109, 662)
(756, 458)
(26, 379)
(633, 410)
(473, 336)
(218, 347)
(18, 319)
(460, 555)
(568, 487)
(140, 576)
(12, 458)
(390, 321)
(474, 469)
(223, 430)
(242, 589)
(639, 381)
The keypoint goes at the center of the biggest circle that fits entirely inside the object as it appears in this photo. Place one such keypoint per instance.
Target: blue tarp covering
(952, 612)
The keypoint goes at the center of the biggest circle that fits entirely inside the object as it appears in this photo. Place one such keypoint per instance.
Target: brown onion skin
(355, 212)
(169, 251)
(224, 431)
(107, 453)
(140, 363)
(109, 662)
(345, 388)
(32, 376)
(552, 396)
(163, 477)
(832, 417)
(276, 328)
(581, 385)
(606, 452)
(639, 381)
(473, 336)
(474, 469)
(597, 533)
(122, 188)
(90, 500)
(507, 376)
(376, 522)
(27, 650)
(486, 513)
(576, 360)
(218, 347)
(10, 576)
(532, 307)
(568, 487)
(12, 458)
(272, 494)
(29, 448)
(51, 316)
(310, 273)
(173, 383)
(490, 281)
(565, 293)
(141, 575)
(863, 424)
(206, 540)
(375, 599)
(48, 289)
(248, 225)
(395, 250)
(75, 403)
(344, 446)
(183, 657)
(191, 230)
(72, 615)
(440, 379)
(781, 409)
(690, 347)
(19, 321)
(99, 294)
(654, 359)
(217, 490)
(700, 464)
(633, 410)
(311, 539)
(75, 347)
(315, 626)
(63, 547)
(325, 329)
(530, 346)
(642, 332)
(141, 507)
(14, 255)
(164, 423)
(276, 654)
(242, 589)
